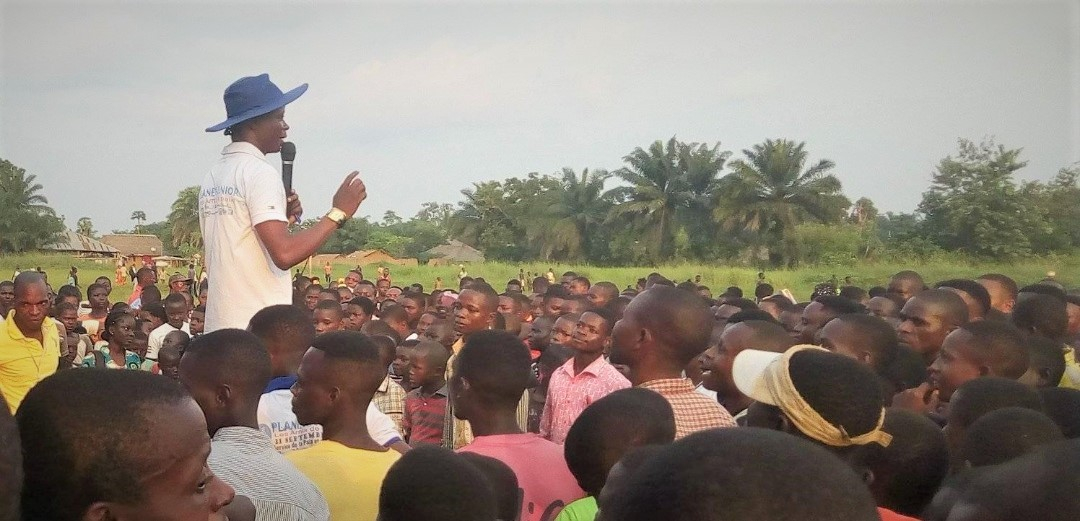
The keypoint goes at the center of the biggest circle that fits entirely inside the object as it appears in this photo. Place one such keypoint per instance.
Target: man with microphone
(244, 213)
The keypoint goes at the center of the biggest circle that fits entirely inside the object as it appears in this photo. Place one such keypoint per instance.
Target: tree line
(771, 206)
(677, 201)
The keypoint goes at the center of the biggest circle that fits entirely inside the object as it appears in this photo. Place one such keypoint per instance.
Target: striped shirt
(424, 417)
(693, 411)
(245, 459)
(569, 394)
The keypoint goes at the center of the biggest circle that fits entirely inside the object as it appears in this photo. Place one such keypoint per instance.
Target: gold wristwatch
(338, 216)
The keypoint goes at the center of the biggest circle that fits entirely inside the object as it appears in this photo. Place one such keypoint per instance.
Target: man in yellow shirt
(337, 378)
(29, 340)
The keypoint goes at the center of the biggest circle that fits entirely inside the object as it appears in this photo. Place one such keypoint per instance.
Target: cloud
(107, 97)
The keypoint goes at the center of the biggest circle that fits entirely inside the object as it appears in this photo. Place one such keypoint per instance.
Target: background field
(800, 281)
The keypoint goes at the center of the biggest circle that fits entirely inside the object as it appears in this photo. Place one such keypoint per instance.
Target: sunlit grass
(800, 281)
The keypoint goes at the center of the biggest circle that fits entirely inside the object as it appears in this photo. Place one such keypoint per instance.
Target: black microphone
(288, 154)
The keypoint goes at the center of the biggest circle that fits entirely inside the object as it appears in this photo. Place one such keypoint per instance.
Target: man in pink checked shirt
(582, 380)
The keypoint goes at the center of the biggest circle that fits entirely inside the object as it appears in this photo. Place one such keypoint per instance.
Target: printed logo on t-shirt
(290, 435)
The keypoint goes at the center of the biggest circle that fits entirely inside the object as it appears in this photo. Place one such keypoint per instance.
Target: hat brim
(285, 99)
(748, 371)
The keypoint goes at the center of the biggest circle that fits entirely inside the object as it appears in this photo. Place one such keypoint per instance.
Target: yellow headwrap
(778, 381)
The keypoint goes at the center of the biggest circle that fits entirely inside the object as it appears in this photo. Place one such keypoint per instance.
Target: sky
(106, 102)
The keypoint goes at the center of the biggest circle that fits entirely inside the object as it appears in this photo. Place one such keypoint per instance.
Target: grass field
(800, 281)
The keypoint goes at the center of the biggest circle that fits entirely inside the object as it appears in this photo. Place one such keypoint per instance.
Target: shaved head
(287, 332)
(664, 325)
(227, 358)
(679, 320)
(435, 354)
(31, 301)
(760, 334)
(928, 318)
(353, 360)
(948, 304)
(906, 284)
(26, 279)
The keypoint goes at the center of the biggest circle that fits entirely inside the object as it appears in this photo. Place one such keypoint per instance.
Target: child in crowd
(140, 345)
(539, 336)
(197, 321)
(553, 357)
(144, 326)
(312, 296)
(397, 318)
(358, 312)
(441, 332)
(177, 309)
(168, 363)
(178, 340)
(344, 294)
(78, 342)
(424, 323)
(390, 396)
(154, 313)
(119, 351)
(399, 368)
(562, 333)
(328, 316)
(425, 406)
(94, 319)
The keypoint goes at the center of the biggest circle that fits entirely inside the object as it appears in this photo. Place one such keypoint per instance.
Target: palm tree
(26, 220)
(569, 215)
(184, 219)
(482, 211)
(22, 189)
(668, 185)
(701, 166)
(768, 194)
(138, 216)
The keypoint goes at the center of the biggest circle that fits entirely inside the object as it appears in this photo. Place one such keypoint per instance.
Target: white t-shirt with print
(278, 421)
(241, 190)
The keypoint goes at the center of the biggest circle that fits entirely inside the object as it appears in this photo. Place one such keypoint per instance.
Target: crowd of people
(262, 395)
(547, 399)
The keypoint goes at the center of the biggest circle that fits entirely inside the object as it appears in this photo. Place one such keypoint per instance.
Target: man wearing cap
(179, 283)
(243, 210)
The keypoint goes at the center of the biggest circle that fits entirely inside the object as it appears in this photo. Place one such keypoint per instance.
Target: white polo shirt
(241, 190)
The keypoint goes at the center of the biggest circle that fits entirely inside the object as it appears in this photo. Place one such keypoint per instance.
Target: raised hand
(351, 193)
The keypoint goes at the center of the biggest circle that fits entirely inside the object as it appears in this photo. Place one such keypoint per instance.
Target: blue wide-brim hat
(252, 97)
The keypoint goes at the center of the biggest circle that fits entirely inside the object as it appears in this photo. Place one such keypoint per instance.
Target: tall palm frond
(769, 193)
